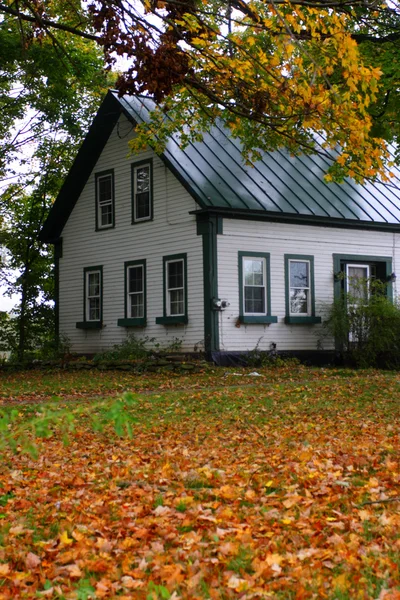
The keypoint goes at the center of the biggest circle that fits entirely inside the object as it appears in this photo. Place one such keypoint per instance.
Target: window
(175, 287)
(351, 270)
(300, 301)
(254, 288)
(105, 200)
(93, 298)
(142, 192)
(135, 294)
(175, 290)
(357, 282)
(299, 287)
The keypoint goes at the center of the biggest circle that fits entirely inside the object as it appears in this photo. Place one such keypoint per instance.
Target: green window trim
(98, 176)
(89, 325)
(128, 321)
(301, 319)
(134, 166)
(139, 322)
(86, 323)
(340, 260)
(168, 319)
(172, 320)
(248, 318)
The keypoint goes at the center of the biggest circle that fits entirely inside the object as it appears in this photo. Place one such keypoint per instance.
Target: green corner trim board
(278, 186)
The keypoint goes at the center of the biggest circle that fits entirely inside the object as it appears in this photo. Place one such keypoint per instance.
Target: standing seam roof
(278, 183)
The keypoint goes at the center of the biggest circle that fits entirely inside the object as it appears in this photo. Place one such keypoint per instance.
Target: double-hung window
(299, 287)
(175, 278)
(142, 191)
(254, 288)
(105, 211)
(93, 298)
(135, 291)
(175, 290)
(135, 294)
(300, 295)
(93, 295)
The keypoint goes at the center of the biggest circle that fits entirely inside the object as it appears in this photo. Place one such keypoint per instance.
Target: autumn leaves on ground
(219, 485)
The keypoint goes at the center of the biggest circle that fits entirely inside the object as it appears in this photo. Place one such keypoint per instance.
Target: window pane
(142, 179)
(106, 214)
(175, 274)
(176, 302)
(253, 271)
(142, 205)
(105, 188)
(94, 284)
(299, 274)
(136, 306)
(94, 309)
(299, 301)
(357, 282)
(254, 299)
(135, 279)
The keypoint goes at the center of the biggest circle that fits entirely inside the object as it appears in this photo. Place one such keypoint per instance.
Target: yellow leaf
(340, 581)
(64, 539)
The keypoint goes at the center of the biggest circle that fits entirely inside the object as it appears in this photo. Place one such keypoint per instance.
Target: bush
(366, 326)
(132, 348)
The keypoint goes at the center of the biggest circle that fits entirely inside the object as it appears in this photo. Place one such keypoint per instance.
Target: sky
(7, 304)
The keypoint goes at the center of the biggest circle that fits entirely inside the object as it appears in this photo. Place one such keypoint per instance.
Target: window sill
(89, 325)
(266, 319)
(137, 221)
(105, 228)
(182, 320)
(138, 322)
(302, 320)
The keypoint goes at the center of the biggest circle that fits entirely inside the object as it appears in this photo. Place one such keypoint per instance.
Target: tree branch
(7, 10)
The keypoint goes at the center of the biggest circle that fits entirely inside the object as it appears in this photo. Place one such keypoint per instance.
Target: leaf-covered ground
(284, 485)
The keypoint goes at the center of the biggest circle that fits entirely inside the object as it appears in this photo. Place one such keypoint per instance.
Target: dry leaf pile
(284, 492)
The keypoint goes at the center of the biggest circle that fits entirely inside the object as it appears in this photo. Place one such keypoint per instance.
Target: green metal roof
(278, 186)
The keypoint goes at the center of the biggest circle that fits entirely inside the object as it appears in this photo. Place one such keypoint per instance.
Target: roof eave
(315, 220)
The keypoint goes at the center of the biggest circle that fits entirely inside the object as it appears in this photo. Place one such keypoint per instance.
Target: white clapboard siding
(279, 239)
(172, 231)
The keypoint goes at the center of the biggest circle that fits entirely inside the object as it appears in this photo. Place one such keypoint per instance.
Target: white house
(195, 245)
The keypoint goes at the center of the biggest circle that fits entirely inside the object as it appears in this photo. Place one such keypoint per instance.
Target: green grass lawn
(215, 485)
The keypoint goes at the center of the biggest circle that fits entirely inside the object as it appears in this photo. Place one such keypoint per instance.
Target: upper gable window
(142, 191)
(105, 211)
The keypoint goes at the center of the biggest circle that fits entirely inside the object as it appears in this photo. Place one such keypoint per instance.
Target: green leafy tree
(28, 269)
(49, 90)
